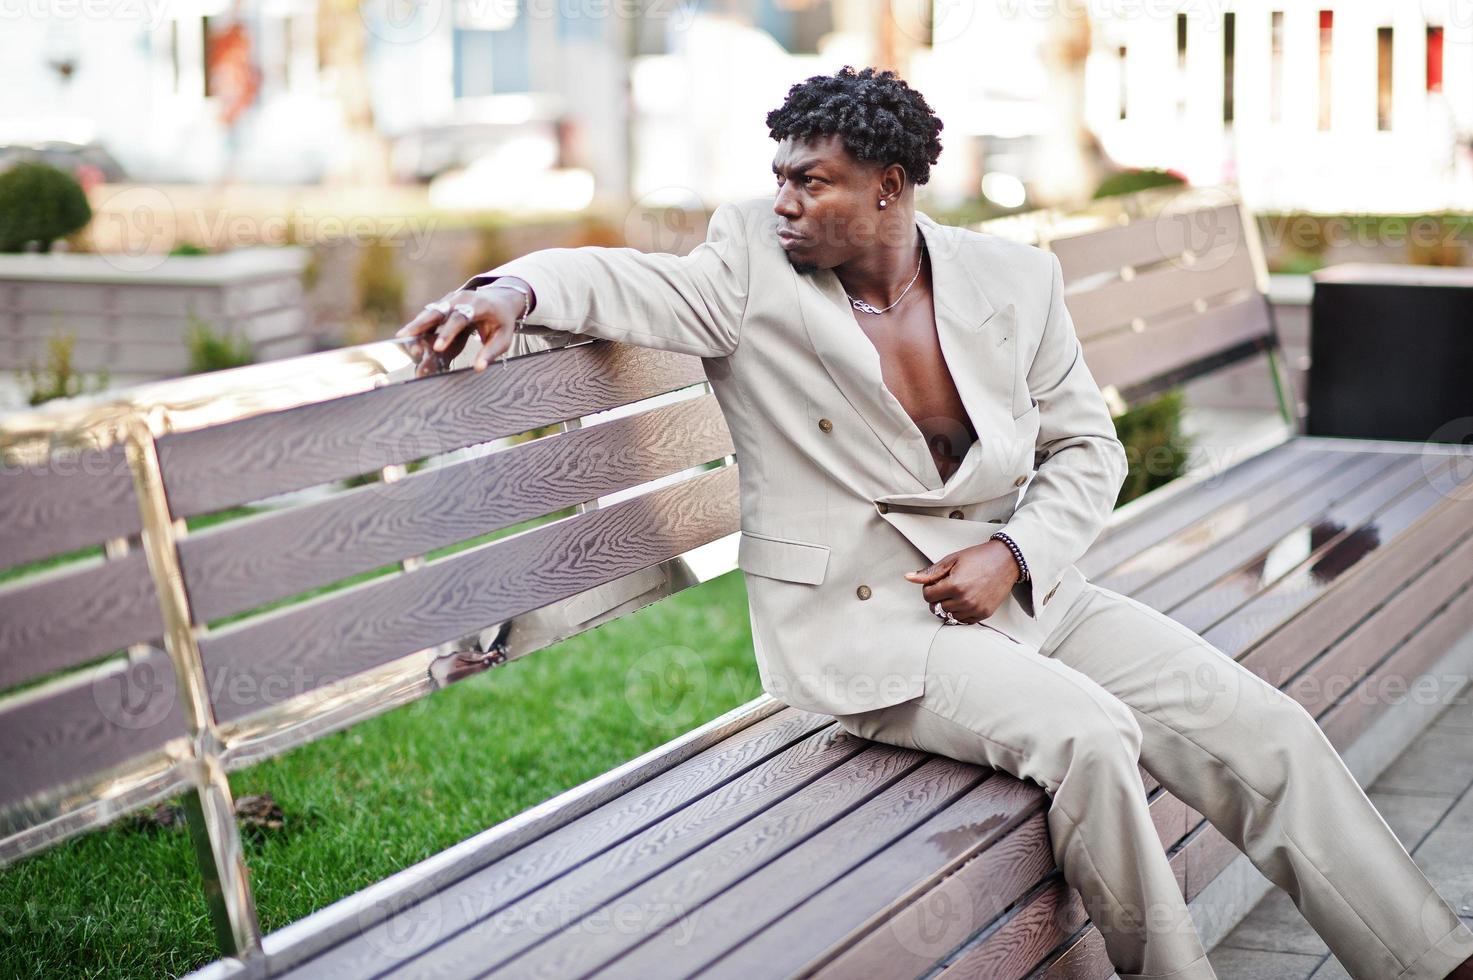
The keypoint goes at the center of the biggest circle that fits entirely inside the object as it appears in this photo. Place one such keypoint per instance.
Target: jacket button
(1020, 481)
(825, 425)
(863, 592)
(884, 507)
(955, 513)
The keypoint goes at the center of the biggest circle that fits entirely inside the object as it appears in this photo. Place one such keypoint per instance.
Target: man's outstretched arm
(692, 304)
(1084, 464)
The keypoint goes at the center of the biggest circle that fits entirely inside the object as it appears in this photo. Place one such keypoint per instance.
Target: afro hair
(877, 115)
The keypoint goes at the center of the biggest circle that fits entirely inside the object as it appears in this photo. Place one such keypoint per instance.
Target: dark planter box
(1391, 353)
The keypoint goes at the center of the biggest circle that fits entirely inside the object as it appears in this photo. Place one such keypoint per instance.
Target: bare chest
(916, 373)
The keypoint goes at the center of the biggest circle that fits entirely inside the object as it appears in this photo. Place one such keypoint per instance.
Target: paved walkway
(1426, 796)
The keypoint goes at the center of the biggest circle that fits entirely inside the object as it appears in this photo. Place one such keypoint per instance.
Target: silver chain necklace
(864, 307)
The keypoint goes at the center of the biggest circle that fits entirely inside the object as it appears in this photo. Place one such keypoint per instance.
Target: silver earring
(883, 202)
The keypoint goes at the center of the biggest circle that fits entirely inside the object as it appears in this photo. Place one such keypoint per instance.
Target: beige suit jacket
(840, 496)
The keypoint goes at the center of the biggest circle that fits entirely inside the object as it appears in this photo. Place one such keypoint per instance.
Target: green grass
(365, 802)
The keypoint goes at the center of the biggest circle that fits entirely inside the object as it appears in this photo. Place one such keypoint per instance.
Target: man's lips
(788, 239)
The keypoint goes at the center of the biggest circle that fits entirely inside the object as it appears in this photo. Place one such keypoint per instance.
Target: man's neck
(879, 273)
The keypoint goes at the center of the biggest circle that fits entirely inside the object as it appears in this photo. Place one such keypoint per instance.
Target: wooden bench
(768, 840)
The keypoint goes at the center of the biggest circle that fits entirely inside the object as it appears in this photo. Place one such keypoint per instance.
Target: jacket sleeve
(692, 304)
(1081, 463)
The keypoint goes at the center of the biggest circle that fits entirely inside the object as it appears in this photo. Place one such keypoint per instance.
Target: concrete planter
(133, 317)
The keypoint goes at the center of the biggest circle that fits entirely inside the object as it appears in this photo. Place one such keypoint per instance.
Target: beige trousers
(1117, 684)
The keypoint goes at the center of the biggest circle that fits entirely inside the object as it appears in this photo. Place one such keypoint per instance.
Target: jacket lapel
(978, 342)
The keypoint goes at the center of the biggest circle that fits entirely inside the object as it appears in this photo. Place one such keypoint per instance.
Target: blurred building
(1363, 105)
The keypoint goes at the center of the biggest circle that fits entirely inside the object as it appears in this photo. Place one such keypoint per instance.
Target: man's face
(825, 203)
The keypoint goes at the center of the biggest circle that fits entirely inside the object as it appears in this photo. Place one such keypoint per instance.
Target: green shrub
(58, 379)
(1131, 181)
(189, 248)
(39, 203)
(210, 351)
(380, 286)
(1154, 443)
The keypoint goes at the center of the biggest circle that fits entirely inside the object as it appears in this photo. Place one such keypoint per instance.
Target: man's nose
(783, 204)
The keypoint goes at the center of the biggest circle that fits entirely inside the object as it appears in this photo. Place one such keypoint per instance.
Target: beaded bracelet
(1017, 553)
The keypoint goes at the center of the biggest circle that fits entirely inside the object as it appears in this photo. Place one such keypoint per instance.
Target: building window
(1276, 66)
(489, 59)
(1327, 27)
(1229, 30)
(1434, 59)
(1383, 78)
(1120, 78)
(1181, 64)
(798, 25)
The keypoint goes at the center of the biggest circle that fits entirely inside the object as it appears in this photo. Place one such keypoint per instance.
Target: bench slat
(999, 813)
(1412, 659)
(112, 716)
(789, 820)
(773, 890)
(290, 652)
(1244, 481)
(237, 462)
(1169, 348)
(976, 897)
(1231, 535)
(71, 501)
(549, 858)
(1145, 241)
(1341, 536)
(1299, 636)
(502, 934)
(67, 620)
(1163, 291)
(247, 563)
(1406, 612)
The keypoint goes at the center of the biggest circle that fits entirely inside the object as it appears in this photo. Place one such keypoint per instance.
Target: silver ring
(439, 306)
(464, 309)
(944, 615)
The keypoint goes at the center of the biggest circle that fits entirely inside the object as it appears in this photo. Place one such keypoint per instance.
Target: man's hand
(970, 584)
(438, 337)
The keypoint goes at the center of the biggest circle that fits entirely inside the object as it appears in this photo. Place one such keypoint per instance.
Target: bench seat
(773, 843)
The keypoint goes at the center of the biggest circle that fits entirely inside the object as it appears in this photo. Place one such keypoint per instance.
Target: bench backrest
(329, 538)
(1164, 286)
(69, 515)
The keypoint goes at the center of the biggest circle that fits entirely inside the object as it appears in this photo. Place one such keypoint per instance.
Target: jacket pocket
(782, 558)
(1029, 415)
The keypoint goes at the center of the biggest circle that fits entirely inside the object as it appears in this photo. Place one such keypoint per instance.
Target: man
(880, 372)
